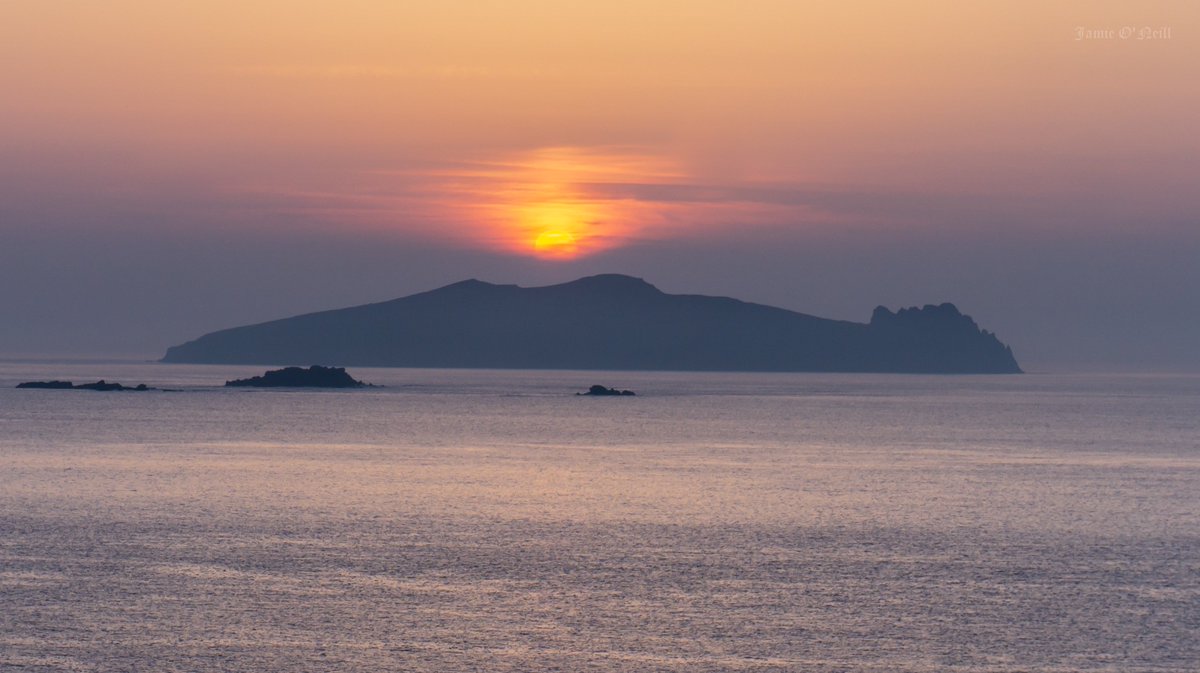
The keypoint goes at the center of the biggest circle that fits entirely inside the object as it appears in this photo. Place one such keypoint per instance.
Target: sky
(169, 169)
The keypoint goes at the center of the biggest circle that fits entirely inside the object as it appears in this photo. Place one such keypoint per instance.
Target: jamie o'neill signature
(1123, 33)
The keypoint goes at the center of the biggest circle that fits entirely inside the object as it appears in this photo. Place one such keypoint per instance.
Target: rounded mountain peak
(611, 281)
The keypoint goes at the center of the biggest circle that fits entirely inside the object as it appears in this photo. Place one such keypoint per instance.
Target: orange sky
(309, 104)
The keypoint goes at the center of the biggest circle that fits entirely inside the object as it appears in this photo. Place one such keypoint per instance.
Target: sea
(472, 520)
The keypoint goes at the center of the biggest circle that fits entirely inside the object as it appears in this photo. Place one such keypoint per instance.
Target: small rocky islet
(315, 376)
(601, 391)
(101, 385)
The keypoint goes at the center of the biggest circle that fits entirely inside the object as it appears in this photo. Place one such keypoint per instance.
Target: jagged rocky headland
(603, 323)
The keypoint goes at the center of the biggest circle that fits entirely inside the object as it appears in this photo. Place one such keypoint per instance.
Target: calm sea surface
(492, 521)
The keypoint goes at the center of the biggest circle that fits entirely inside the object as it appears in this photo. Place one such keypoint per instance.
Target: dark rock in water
(601, 391)
(55, 385)
(100, 385)
(315, 376)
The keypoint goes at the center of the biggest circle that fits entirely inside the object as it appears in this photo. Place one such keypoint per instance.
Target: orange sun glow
(546, 203)
(556, 243)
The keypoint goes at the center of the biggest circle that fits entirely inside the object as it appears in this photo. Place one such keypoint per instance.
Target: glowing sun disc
(555, 242)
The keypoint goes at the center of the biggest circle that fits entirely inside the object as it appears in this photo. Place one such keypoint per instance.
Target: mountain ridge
(607, 321)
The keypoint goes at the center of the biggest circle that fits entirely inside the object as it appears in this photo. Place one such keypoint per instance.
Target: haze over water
(490, 520)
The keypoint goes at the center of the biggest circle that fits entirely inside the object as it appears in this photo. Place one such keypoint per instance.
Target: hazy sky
(171, 168)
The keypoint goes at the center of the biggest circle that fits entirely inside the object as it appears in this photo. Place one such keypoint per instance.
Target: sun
(555, 243)
(558, 203)
(557, 229)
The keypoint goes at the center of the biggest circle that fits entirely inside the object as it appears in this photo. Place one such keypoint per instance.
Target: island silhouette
(315, 376)
(607, 322)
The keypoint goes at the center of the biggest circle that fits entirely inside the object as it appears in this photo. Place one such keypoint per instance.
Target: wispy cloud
(599, 198)
(387, 71)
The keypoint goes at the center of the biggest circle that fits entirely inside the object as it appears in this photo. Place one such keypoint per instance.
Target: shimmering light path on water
(492, 521)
